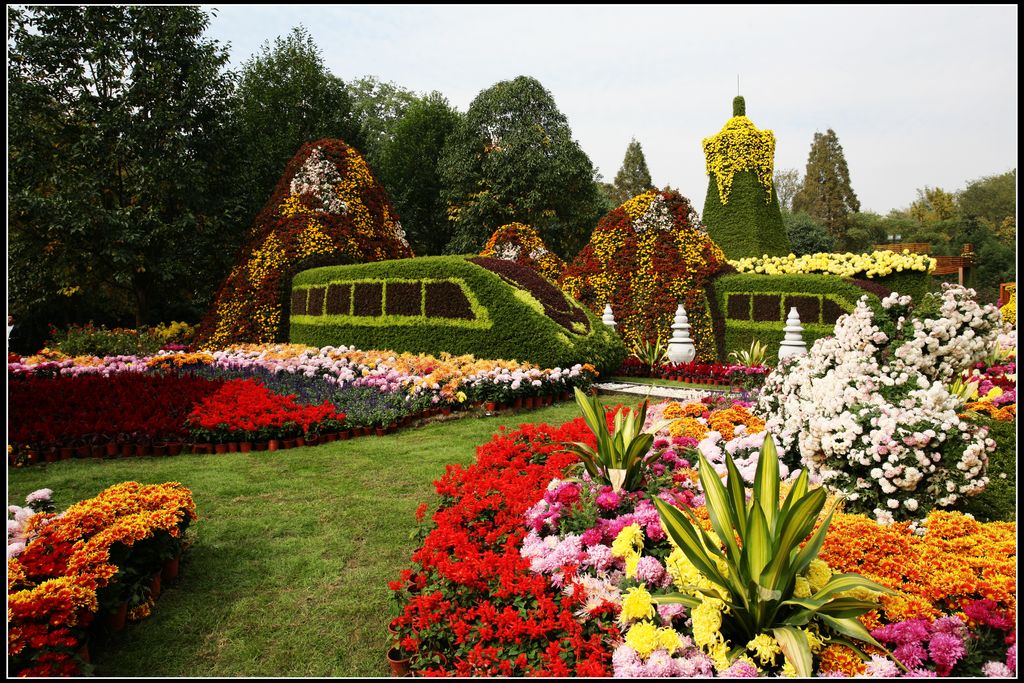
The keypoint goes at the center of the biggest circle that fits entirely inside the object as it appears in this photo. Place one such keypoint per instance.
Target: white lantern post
(793, 343)
(680, 346)
(607, 317)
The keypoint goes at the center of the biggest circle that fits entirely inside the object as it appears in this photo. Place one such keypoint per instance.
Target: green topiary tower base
(748, 222)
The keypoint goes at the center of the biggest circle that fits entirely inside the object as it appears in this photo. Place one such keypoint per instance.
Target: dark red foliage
(556, 305)
(68, 411)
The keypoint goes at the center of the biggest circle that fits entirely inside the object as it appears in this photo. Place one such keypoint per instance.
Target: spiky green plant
(752, 357)
(651, 353)
(763, 558)
(620, 458)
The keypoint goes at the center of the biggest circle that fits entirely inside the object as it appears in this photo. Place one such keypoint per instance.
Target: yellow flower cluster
(1009, 309)
(628, 545)
(690, 423)
(638, 205)
(740, 146)
(266, 260)
(875, 264)
(636, 605)
(177, 360)
(292, 206)
(313, 240)
(521, 243)
(645, 638)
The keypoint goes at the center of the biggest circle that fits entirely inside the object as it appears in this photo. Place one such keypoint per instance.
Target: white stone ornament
(606, 316)
(793, 343)
(680, 347)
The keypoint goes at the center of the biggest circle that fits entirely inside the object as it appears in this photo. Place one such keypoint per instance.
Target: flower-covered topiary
(869, 410)
(645, 258)
(521, 243)
(741, 209)
(327, 208)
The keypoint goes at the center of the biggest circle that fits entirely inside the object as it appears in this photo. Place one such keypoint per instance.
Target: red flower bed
(91, 409)
(245, 409)
(474, 598)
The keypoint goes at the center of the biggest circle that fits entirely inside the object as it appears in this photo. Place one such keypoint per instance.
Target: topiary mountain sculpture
(327, 209)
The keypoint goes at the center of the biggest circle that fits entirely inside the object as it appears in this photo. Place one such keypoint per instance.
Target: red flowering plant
(85, 561)
(244, 410)
(327, 209)
(644, 258)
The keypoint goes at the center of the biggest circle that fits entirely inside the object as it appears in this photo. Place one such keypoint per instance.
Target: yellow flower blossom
(764, 648)
(636, 605)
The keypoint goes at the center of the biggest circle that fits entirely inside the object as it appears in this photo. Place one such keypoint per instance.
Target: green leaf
(676, 599)
(840, 583)
(719, 505)
(682, 532)
(766, 481)
(795, 648)
(849, 627)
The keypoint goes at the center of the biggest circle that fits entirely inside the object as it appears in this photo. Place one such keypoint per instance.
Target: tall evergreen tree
(512, 158)
(119, 190)
(408, 168)
(287, 97)
(633, 177)
(826, 194)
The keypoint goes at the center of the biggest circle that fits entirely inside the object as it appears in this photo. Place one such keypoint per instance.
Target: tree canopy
(118, 160)
(512, 159)
(287, 97)
(408, 167)
(633, 177)
(826, 194)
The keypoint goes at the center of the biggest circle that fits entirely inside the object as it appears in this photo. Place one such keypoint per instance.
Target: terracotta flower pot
(83, 451)
(159, 449)
(312, 439)
(220, 448)
(232, 446)
(154, 585)
(517, 403)
(273, 444)
(143, 449)
(380, 431)
(127, 450)
(245, 447)
(491, 406)
(288, 443)
(98, 451)
(259, 446)
(116, 620)
(344, 435)
(171, 567)
(300, 441)
(51, 456)
(66, 452)
(399, 662)
(174, 448)
(111, 449)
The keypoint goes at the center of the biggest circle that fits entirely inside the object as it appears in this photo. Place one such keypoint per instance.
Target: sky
(917, 95)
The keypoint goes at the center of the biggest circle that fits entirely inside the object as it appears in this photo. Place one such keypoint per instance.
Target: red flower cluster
(52, 585)
(93, 409)
(716, 373)
(475, 599)
(244, 409)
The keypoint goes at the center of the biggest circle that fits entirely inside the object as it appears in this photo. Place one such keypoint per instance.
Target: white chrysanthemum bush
(868, 410)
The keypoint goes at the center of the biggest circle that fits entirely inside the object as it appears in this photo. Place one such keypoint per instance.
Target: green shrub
(90, 340)
(998, 501)
(766, 300)
(448, 304)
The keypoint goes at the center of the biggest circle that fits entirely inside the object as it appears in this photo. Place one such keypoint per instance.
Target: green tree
(512, 158)
(119, 194)
(992, 201)
(933, 204)
(377, 108)
(633, 177)
(807, 236)
(787, 183)
(826, 193)
(408, 168)
(286, 97)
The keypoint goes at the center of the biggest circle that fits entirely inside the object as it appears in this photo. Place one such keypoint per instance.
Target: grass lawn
(293, 549)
